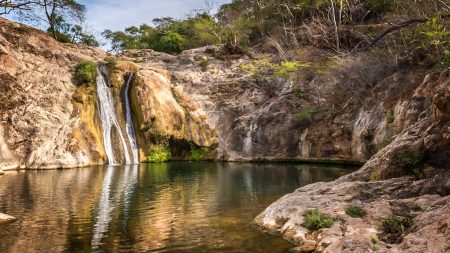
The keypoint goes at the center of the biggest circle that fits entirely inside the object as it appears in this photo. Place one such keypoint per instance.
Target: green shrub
(298, 92)
(374, 240)
(86, 73)
(111, 63)
(159, 154)
(390, 118)
(287, 68)
(411, 160)
(445, 61)
(204, 64)
(395, 227)
(355, 211)
(315, 220)
(305, 114)
(198, 154)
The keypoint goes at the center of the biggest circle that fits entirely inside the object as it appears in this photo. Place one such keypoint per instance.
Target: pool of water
(173, 207)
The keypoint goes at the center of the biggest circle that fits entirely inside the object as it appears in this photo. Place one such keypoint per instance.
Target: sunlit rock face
(410, 176)
(40, 126)
(244, 117)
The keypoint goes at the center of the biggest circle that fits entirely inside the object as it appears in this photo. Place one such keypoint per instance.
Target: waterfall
(108, 118)
(129, 122)
(248, 142)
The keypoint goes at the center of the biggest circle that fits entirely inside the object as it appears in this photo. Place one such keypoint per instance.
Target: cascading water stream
(129, 122)
(108, 118)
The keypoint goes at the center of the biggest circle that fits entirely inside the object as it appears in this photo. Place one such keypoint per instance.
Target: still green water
(173, 207)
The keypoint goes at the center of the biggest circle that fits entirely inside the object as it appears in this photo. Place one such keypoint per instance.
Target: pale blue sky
(118, 14)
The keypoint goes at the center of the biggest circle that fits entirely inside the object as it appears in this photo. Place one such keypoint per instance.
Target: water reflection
(175, 207)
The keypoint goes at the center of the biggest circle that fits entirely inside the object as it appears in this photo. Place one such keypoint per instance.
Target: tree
(8, 6)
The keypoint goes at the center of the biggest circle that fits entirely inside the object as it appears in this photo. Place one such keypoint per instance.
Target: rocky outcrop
(39, 125)
(410, 177)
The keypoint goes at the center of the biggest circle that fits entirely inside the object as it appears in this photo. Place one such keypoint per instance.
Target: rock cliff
(40, 126)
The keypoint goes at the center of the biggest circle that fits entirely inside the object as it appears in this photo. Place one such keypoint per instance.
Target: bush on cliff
(315, 220)
(159, 154)
(85, 73)
(395, 227)
(198, 154)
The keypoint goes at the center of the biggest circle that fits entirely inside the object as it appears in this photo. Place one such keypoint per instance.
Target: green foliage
(287, 68)
(250, 68)
(390, 118)
(204, 64)
(315, 220)
(355, 211)
(445, 61)
(158, 154)
(298, 92)
(411, 159)
(395, 227)
(375, 240)
(168, 35)
(305, 114)
(198, 154)
(85, 73)
(169, 42)
(71, 33)
(111, 63)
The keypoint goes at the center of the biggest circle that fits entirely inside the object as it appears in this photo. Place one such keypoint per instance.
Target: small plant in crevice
(355, 211)
(298, 92)
(315, 220)
(287, 69)
(85, 73)
(445, 61)
(375, 241)
(305, 114)
(111, 63)
(198, 154)
(390, 118)
(374, 175)
(411, 161)
(158, 154)
(204, 64)
(395, 227)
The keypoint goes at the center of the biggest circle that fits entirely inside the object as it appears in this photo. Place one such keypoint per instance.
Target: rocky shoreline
(408, 181)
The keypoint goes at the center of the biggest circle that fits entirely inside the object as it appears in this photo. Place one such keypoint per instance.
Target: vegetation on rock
(198, 154)
(395, 227)
(85, 73)
(315, 220)
(355, 211)
(158, 154)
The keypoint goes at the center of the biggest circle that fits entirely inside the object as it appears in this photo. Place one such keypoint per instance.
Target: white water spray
(129, 124)
(108, 118)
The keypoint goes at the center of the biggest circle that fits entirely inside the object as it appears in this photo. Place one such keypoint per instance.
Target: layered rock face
(40, 126)
(409, 178)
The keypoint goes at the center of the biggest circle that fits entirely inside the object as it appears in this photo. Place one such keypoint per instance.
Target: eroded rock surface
(39, 122)
(411, 176)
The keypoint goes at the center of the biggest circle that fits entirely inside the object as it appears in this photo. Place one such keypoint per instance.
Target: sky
(118, 14)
